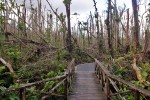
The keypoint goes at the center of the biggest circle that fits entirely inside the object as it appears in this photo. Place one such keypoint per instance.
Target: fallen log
(8, 65)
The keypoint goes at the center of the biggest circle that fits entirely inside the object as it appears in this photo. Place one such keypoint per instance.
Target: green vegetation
(38, 43)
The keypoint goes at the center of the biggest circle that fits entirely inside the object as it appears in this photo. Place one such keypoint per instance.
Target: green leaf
(50, 74)
(2, 81)
(2, 88)
(2, 68)
(13, 96)
(119, 59)
(144, 74)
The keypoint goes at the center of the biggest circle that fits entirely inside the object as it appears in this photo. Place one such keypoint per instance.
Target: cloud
(81, 6)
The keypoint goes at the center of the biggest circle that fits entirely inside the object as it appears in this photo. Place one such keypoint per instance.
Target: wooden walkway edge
(85, 85)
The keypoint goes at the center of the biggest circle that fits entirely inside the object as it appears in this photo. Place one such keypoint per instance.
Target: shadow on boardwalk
(85, 85)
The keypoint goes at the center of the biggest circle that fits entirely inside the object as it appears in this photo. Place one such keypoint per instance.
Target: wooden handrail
(32, 84)
(104, 75)
(66, 78)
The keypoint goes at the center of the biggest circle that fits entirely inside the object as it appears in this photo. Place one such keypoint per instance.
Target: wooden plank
(85, 85)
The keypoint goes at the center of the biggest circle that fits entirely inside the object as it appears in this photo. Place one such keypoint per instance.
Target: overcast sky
(83, 7)
(80, 6)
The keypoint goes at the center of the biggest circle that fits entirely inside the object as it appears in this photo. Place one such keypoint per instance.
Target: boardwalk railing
(65, 79)
(119, 88)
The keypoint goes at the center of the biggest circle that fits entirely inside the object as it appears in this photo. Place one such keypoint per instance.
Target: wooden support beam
(23, 93)
(107, 88)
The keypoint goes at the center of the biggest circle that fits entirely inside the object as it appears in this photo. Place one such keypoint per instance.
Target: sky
(82, 7)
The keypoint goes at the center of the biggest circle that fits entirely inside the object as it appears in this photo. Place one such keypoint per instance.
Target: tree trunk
(91, 27)
(24, 19)
(127, 33)
(147, 43)
(39, 17)
(99, 36)
(136, 24)
(116, 25)
(56, 31)
(6, 19)
(88, 34)
(108, 29)
(102, 36)
(68, 40)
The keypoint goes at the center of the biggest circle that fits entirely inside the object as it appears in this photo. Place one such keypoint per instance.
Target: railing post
(69, 80)
(136, 95)
(95, 68)
(23, 93)
(100, 74)
(66, 87)
(107, 88)
(102, 81)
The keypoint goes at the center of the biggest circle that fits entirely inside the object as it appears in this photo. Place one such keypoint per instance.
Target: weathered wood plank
(85, 85)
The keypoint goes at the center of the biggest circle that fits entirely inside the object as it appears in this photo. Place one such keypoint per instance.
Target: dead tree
(127, 33)
(91, 26)
(24, 18)
(116, 26)
(102, 35)
(39, 16)
(68, 39)
(136, 24)
(107, 21)
(99, 36)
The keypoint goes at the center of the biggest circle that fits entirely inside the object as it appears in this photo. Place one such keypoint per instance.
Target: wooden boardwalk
(85, 85)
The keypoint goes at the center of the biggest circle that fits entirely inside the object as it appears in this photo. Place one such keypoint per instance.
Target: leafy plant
(14, 54)
(1, 80)
(137, 83)
(144, 74)
(50, 74)
(1, 69)
(13, 96)
(10, 96)
(61, 67)
(48, 85)
(2, 88)
(119, 59)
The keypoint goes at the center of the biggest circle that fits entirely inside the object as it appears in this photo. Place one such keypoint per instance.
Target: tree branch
(8, 65)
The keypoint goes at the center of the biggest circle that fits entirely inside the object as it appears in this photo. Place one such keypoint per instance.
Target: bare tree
(99, 36)
(107, 21)
(24, 18)
(127, 33)
(39, 12)
(136, 24)
(68, 39)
